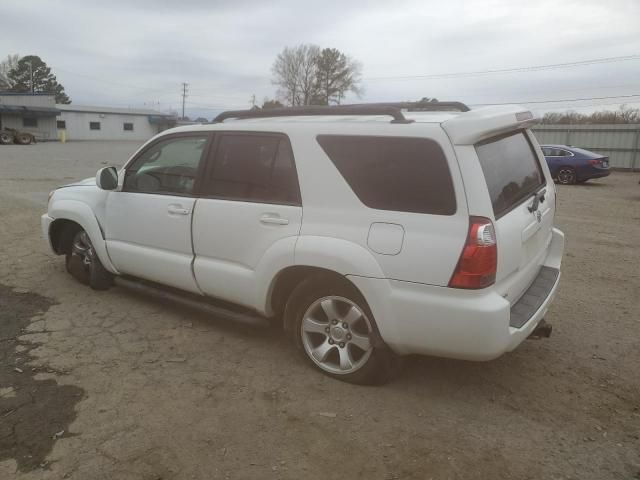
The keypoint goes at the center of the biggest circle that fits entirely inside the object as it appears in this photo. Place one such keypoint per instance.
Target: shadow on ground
(33, 413)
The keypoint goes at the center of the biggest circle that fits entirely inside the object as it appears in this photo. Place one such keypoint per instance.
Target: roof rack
(316, 110)
(393, 109)
(434, 106)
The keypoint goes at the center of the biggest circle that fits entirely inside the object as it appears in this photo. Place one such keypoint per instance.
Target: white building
(29, 112)
(106, 123)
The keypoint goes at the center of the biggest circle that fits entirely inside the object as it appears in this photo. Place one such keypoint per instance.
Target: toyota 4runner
(371, 231)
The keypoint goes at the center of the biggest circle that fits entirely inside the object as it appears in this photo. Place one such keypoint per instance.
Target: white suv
(373, 231)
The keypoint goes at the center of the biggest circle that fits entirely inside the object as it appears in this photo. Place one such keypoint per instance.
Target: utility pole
(184, 95)
(253, 100)
(31, 75)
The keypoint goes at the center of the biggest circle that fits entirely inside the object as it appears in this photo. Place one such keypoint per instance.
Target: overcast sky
(138, 52)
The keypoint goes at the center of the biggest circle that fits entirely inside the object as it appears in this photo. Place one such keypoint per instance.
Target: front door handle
(177, 210)
(274, 220)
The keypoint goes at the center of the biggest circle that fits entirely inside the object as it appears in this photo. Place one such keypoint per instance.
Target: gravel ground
(113, 385)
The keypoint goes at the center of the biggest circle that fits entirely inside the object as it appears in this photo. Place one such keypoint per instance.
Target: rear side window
(511, 170)
(394, 173)
(254, 168)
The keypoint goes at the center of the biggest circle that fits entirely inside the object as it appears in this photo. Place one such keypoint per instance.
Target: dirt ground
(111, 385)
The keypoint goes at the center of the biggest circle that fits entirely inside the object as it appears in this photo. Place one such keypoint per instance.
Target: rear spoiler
(479, 124)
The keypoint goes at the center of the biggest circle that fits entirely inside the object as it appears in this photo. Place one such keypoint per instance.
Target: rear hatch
(523, 201)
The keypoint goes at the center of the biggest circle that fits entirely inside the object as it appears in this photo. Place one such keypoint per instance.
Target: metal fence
(621, 143)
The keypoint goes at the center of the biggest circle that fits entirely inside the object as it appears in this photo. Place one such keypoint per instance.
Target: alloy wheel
(83, 248)
(337, 335)
(566, 176)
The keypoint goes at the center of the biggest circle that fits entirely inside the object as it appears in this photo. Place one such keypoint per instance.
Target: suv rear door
(523, 201)
(249, 211)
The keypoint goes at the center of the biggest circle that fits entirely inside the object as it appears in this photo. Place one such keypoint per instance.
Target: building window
(61, 124)
(94, 125)
(29, 122)
(128, 127)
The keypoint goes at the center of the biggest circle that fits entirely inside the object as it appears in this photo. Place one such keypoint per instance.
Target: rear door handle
(177, 210)
(274, 220)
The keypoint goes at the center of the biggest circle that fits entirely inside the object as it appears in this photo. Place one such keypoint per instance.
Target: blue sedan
(571, 165)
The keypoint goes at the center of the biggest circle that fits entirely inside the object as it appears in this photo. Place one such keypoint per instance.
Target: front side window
(94, 125)
(254, 168)
(169, 167)
(401, 174)
(511, 170)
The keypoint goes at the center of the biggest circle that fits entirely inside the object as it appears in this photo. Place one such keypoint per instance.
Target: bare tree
(6, 66)
(294, 71)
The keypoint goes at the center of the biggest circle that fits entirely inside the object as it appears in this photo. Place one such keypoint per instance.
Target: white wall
(46, 129)
(620, 142)
(111, 126)
(29, 100)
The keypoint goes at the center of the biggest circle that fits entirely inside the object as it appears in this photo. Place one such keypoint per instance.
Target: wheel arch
(60, 241)
(317, 255)
(288, 278)
(70, 213)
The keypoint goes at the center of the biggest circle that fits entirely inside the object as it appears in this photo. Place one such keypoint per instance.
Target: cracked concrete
(160, 392)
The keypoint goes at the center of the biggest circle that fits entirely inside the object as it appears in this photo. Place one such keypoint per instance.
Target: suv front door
(248, 217)
(148, 222)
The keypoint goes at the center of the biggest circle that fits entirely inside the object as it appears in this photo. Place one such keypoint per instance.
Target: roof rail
(426, 106)
(316, 110)
(393, 109)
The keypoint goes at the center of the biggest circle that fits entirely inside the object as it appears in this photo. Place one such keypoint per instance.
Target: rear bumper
(593, 172)
(472, 325)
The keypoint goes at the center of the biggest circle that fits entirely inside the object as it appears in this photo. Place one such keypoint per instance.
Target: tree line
(30, 74)
(624, 114)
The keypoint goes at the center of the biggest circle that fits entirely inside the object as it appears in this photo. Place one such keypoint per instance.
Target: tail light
(479, 258)
(595, 162)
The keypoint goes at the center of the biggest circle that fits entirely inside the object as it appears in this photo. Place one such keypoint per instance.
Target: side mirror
(107, 178)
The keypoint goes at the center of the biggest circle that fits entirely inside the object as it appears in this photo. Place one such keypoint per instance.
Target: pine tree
(31, 74)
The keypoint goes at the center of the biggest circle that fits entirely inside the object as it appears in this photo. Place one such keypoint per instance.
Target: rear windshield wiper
(538, 198)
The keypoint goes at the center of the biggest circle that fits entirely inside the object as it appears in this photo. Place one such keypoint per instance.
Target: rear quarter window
(394, 173)
(511, 170)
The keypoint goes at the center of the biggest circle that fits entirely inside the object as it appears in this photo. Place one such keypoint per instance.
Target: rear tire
(83, 263)
(23, 139)
(335, 329)
(566, 176)
(6, 138)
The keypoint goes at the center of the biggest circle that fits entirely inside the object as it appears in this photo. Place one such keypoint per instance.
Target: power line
(558, 101)
(579, 107)
(514, 69)
(217, 107)
(119, 84)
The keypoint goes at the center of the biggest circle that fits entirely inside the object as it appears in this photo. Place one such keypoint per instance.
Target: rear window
(394, 173)
(511, 169)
